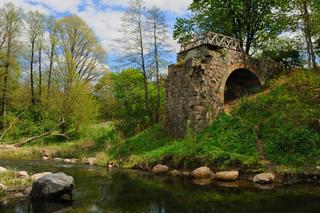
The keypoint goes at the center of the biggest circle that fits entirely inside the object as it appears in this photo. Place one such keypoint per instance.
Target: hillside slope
(281, 117)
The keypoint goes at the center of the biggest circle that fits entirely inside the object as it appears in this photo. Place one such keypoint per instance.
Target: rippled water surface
(117, 191)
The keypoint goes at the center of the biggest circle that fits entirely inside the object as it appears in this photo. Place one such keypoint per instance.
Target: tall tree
(251, 21)
(40, 47)
(12, 21)
(159, 33)
(80, 59)
(304, 7)
(52, 29)
(133, 43)
(35, 23)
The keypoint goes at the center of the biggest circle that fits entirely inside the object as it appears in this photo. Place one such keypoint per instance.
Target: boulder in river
(23, 174)
(160, 169)
(40, 175)
(53, 186)
(2, 169)
(73, 160)
(3, 187)
(58, 159)
(67, 160)
(264, 178)
(201, 172)
(175, 173)
(227, 175)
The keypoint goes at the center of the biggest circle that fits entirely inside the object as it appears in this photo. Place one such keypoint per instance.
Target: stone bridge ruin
(211, 70)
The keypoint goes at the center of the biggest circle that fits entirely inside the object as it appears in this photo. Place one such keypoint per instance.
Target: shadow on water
(99, 190)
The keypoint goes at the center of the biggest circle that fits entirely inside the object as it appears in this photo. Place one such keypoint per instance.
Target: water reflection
(117, 191)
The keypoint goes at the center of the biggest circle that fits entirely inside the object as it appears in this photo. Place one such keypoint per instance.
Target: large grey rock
(264, 178)
(2, 169)
(227, 175)
(160, 169)
(40, 175)
(201, 172)
(53, 186)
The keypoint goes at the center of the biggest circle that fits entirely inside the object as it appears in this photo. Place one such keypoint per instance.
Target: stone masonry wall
(195, 86)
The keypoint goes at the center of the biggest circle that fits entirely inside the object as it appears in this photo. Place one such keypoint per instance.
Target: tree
(52, 29)
(40, 47)
(284, 50)
(104, 93)
(128, 89)
(80, 60)
(304, 6)
(159, 31)
(251, 21)
(12, 20)
(133, 43)
(35, 22)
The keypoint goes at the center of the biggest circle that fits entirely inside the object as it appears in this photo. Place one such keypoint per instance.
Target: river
(116, 191)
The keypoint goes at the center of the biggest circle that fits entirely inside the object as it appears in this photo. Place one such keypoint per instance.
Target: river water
(117, 191)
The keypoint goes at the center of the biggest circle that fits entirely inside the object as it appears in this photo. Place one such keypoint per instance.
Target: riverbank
(14, 185)
(276, 130)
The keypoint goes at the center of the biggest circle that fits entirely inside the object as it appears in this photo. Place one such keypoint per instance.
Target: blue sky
(104, 16)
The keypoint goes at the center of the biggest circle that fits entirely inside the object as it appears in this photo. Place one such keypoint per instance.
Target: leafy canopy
(251, 21)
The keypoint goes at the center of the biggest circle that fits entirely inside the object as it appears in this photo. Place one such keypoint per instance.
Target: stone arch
(236, 71)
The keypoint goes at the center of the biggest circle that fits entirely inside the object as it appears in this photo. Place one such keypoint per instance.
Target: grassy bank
(10, 180)
(283, 113)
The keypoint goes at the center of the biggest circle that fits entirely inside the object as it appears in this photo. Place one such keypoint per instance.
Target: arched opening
(241, 82)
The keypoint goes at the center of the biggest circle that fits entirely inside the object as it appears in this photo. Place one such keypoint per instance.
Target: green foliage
(251, 21)
(128, 90)
(288, 144)
(80, 107)
(283, 51)
(226, 142)
(123, 95)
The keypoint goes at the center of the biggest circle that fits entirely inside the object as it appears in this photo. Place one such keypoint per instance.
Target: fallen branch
(43, 135)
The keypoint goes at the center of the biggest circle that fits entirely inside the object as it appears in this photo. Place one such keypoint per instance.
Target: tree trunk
(157, 68)
(33, 99)
(50, 71)
(307, 32)
(145, 78)
(40, 72)
(5, 80)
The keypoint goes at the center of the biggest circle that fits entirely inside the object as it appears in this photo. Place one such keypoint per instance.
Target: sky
(104, 16)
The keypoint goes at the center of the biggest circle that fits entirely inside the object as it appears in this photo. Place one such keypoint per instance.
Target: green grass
(10, 180)
(89, 142)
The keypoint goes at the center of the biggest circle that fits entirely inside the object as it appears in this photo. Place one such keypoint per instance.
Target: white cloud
(104, 17)
(104, 23)
(176, 6)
